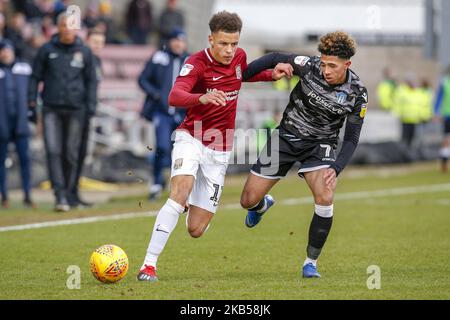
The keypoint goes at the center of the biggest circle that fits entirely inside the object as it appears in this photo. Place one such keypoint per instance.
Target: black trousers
(82, 155)
(62, 137)
(408, 133)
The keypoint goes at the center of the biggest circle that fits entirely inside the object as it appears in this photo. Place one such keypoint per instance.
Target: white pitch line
(288, 202)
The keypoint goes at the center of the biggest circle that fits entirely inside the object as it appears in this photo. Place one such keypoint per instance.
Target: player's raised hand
(282, 70)
(216, 97)
(330, 178)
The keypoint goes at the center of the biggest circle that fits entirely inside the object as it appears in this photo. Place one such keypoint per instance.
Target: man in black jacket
(66, 67)
(95, 41)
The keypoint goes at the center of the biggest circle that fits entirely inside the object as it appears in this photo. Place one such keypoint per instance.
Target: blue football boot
(310, 271)
(254, 217)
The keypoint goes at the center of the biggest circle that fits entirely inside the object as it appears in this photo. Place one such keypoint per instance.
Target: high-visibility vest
(385, 93)
(407, 104)
(425, 98)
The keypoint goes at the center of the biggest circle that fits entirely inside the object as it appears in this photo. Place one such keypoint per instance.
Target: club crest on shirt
(187, 68)
(341, 97)
(238, 72)
(178, 164)
(77, 60)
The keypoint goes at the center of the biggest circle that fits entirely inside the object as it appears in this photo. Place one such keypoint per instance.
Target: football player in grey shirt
(327, 94)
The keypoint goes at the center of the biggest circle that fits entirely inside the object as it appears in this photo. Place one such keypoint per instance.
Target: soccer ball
(109, 263)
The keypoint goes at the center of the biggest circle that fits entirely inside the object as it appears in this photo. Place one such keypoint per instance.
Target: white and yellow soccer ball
(109, 263)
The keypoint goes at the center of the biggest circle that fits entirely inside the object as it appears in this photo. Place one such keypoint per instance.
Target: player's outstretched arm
(268, 61)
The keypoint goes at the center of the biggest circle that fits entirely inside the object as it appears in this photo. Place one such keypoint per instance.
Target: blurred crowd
(49, 75)
(415, 103)
(28, 24)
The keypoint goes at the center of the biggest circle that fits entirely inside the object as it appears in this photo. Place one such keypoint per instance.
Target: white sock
(264, 208)
(165, 223)
(308, 260)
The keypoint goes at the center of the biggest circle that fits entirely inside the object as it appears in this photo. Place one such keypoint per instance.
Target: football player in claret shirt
(208, 86)
(328, 94)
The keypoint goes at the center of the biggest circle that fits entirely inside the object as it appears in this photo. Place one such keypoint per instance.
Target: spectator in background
(14, 77)
(37, 40)
(442, 112)
(139, 21)
(106, 19)
(407, 106)
(91, 16)
(48, 28)
(66, 67)
(156, 80)
(170, 18)
(14, 32)
(386, 90)
(96, 42)
(60, 7)
(2, 26)
(425, 98)
(30, 8)
(267, 128)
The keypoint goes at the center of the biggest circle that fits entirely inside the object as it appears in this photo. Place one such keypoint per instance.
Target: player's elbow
(172, 99)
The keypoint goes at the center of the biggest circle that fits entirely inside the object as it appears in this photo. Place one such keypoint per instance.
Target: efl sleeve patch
(301, 60)
(187, 68)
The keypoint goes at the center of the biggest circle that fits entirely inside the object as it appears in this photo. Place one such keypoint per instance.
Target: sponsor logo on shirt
(238, 72)
(317, 101)
(187, 68)
(231, 95)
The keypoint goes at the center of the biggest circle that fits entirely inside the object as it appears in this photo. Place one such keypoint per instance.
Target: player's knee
(325, 198)
(195, 232)
(248, 200)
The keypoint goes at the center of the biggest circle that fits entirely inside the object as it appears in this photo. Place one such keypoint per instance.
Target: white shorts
(191, 157)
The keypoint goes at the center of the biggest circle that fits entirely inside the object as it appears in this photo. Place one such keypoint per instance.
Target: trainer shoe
(310, 271)
(27, 202)
(5, 204)
(254, 217)
(156, 192)
(148, 273)
(62, 205)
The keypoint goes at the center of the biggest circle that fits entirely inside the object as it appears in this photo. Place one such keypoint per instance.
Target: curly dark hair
(337, 43)
(225, 21)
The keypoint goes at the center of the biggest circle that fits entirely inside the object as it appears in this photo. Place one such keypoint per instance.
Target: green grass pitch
(406, 234)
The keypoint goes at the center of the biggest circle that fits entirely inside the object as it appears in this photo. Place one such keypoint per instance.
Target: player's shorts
(284, 149)
(207, 166)
(447, 126)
